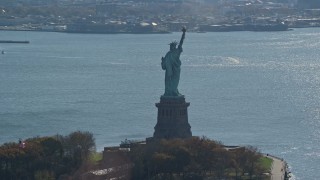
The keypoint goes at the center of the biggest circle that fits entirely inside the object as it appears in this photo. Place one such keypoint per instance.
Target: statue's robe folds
(171, 64)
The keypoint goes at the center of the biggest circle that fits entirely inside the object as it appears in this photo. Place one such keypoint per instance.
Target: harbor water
(244, 88)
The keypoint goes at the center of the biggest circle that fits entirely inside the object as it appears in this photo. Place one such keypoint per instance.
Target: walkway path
(278, 168)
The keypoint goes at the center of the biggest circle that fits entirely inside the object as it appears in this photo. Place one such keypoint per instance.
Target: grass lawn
(266, 163)
(95, 157)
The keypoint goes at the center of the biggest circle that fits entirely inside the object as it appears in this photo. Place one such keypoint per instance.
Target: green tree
(76, 147)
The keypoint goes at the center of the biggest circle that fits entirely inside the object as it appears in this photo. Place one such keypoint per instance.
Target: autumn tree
(45, 157)
(194, 158)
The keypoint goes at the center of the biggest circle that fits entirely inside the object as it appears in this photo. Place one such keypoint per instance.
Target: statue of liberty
(171, 64)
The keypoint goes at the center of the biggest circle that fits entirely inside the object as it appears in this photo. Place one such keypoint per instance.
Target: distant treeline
(45, 157)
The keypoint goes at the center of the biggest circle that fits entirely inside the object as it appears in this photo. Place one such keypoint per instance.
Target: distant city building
(8, 3)
(309, 4)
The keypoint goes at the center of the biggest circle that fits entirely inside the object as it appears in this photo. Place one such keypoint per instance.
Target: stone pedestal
(172, 121)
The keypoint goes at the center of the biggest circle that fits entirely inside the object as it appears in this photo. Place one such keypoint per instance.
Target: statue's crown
(173, 43)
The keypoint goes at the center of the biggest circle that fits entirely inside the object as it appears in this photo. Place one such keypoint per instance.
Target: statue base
(172, 121)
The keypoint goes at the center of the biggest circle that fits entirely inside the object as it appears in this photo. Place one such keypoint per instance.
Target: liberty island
(236, 95)
(172, 132)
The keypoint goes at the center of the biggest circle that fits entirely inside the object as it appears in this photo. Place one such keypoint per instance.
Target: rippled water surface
(245, 88)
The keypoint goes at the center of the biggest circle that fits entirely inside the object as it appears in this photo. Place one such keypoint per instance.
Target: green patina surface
(171, 64)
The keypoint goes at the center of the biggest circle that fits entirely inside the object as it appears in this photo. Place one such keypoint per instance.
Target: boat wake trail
(209, 61)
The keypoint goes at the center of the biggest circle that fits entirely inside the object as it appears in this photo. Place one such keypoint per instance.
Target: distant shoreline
(12, 41)
(215, 29)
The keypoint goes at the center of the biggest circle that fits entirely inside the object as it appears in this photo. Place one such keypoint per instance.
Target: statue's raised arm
(182, 37)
